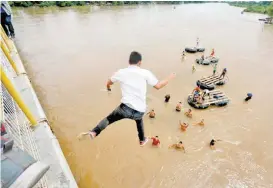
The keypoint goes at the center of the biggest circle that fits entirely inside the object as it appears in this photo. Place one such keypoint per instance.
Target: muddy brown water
(70, 53)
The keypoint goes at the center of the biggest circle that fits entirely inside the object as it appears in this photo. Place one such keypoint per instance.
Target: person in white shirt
(133, 81)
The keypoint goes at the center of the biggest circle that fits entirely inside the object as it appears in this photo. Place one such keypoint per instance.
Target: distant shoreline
(255, 7)
(25, 4)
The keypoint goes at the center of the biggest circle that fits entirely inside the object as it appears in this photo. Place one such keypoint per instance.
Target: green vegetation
(99, 3)
(264, 7)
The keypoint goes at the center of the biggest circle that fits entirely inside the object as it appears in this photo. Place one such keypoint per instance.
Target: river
(69, 54)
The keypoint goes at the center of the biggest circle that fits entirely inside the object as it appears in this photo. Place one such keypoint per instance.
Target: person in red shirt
(156, 141)
(212, 53)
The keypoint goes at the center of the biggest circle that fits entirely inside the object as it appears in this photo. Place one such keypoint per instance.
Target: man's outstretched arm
(164, 82)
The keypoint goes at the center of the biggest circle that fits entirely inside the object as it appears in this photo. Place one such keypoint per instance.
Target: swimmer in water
(178, 107)
(212, 143)
(178, 146)
(183, 126)
(201, 123)
(193, 68)
(189, 113)
(183, 54)
(151, 113)
(156, 141)
(197, 42)
(167, 98)
(249, 96)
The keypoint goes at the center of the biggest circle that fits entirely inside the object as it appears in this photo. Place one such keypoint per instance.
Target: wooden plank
(225, 99)
(213, 92)
(216, 92)
(209, 77)
(212, 80)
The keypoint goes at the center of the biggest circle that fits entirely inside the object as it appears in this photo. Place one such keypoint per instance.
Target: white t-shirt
(133, 81)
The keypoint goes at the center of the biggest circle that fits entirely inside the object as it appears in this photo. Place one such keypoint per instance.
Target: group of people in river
(133, 82)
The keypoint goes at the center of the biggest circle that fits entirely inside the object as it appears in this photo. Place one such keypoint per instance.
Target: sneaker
(142, 143)
(84, 134)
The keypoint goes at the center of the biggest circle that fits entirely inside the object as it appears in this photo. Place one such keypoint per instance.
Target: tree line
(264, 7)
(99, 3)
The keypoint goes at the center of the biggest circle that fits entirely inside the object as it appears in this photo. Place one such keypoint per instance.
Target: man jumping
(133, 82)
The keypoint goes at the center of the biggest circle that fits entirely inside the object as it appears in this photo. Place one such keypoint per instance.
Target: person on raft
(249, 96)
(178, 146)
(167, 98)
(201, 123)
(205, 93)
(203, 57)
(212, 143)
(196, 93)
(156, 141)
(196, 90)
(223, 74)
(178, 107)
(151, 113)
(189, 113)
(133, 81)
(212, 53)
(183, 126)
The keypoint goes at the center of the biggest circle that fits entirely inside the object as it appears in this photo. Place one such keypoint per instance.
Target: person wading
(133, 81)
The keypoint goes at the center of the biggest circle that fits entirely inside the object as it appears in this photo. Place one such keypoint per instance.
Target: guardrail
(13, 112)
(26, 120)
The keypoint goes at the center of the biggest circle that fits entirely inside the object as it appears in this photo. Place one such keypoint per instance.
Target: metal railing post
(5, 50)
(6, 39)
(15, 95)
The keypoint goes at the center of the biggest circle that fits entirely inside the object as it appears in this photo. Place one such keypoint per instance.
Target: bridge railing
(13, 112)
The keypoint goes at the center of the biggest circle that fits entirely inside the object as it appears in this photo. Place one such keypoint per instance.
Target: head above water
(135, 58)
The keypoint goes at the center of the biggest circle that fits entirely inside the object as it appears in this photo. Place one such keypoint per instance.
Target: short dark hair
(156, 136)
(135, 57)
(180, 142)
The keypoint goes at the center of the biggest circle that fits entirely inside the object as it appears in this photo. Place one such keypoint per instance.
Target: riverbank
(84, 3)
(95, 3)
(263, 7)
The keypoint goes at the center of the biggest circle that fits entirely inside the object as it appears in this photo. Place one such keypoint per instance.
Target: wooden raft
(211, 80)
(221, 97)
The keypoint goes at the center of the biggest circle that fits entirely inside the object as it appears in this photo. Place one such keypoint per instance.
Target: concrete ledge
(59, 175)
